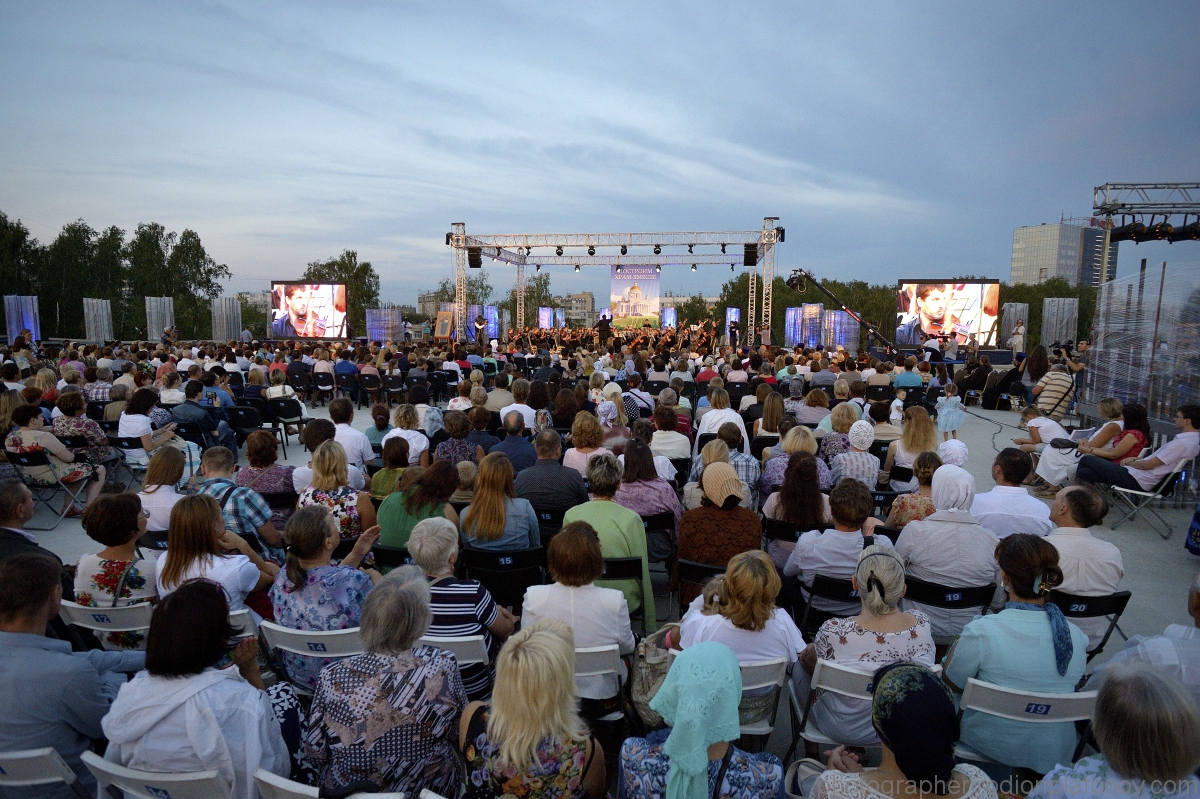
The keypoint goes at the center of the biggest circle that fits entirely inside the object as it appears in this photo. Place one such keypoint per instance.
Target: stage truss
(1141, 199)
(517, 249)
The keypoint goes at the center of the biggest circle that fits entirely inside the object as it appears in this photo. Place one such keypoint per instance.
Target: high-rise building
(1072, 249)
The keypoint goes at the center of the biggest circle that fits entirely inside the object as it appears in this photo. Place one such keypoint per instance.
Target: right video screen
(939, 310)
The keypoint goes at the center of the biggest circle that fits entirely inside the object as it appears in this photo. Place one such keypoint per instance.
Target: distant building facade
(580, 308)
(670, 300)
(428, 304)
(1072, 249)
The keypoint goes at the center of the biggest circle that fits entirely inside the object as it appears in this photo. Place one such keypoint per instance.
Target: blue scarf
(1059, 631)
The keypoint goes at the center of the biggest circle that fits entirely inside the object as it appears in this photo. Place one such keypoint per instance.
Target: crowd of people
(771, 468)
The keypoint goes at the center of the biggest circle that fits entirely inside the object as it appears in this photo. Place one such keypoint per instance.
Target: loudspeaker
(750, 255)
(473, 258)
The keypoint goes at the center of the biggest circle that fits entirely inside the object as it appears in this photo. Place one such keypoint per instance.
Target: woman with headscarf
(953, 452)
(694, 758)
(613, 422)
(720, 528)
(950, 548)
(908, 698)
(1029, 646)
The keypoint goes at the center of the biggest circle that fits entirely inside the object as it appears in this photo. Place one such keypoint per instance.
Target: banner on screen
(940, 309)
(732, 315)
(545, 318)
(634, 296)
(308, 310)
(668, 318)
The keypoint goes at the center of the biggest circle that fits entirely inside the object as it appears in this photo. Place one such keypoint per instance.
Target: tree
(253, 316)
(69, 258)
(20, 257)
(692, 311)
(362, 284)
(537, 295)
(199, 276)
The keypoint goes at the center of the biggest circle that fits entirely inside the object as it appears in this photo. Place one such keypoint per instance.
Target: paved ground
(1158, 572)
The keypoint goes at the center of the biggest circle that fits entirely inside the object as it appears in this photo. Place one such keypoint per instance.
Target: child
(897, 414)
(949, 412)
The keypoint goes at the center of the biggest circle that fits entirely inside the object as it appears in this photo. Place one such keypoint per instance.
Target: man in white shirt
(834, 553)
(1008, 508)
(1145, 473)
(355, 442)
(1090, 566)
(520, 392)
(667, 441)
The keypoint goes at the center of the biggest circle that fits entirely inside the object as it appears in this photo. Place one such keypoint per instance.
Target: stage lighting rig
(657, 250)
(690, 249)
(693, 267)
(624, 250)
(658, 267)
(558, 251)
(591, 250)
(1186, 232)
(576, 267)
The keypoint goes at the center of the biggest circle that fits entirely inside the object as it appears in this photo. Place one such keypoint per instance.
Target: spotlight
(722, 249)
(657, 250)
(624, 250)
(658, 267)
(1186, 232)
(618, 267)
(493, 259)
(731, 267)
(1134, 231)
(689, 249)
(693, 267)
(750, 255)
(558, 251)
(591, 250)
(576, 267)
(539, 268)
(1163, 230)
(779, 234)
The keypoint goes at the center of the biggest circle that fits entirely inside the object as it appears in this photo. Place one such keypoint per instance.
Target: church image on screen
(308, 310)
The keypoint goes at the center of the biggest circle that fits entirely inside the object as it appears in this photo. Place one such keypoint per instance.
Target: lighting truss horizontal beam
(664, 259)
(1146, 198)
(731, 237)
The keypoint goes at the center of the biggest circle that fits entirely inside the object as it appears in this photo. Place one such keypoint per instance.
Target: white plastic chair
(428, 794)
(121, 619)
(275, 787)
(38, 767)
(154, 785)
(758, 675)
(1028, 706)
(468, 649)
(331, 644)
(243, 620)
(598, 661)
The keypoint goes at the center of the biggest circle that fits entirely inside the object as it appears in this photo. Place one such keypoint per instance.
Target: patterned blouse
(342, 503)
(331, 599)
(558, 773)
(96, 581)
(456, 450)
(275, 479)
(30, 441)
(390, 719)
(912, 507)
(832, 445)
(98, 450)
(644, 768)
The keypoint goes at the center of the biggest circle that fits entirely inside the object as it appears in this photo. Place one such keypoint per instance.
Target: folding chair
(1028, 706)
(506, 575)
(880, 393)
(332, 644)
(242, 622)
(390, 557)
(394, 385)
(550, 521)
(44, 491)
(760, 443)
(655, 387)
(704, 439)
(44, 766)
(1110, 607)
(154, 539)
(883, 501)
(691, 572)
(683, 470)
(280, 500)
(246, 420)
(832, 677)
(940, 596)
(826, 588)
(879, 449)
(344, 547)
(770, 674)
(287, 410)
(625, 569)
(1136, 503)
(274, 787)
(95, 410)
(346, 384)
(776, 530)
(153, 784)
(323, 387)
(368, 385)
(468, 650)
(599, 661)
(193, 432)
(121, 619)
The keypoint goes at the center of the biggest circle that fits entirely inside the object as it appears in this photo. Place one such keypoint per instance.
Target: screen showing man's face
(933, 306)
(297, 301)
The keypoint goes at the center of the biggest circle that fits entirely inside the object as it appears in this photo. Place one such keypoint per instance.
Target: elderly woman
(720, 528)
(460, 607)
(30, 436)
(115, 575)
(1057, 466)
(310, 593)
(857, 464)
(118, 398)
(407, 426)
(426, 497)
(587, 438)
(645, 493)
(812, 410)
(73, 422)
(881, 634)
(715, 451)
(497, 519)
(1148, 729)
(698, 757)
(409, 695)
(1028, 645)
(458, 447)
(599, 616)
(620, 531)
(798, 439)
(916, 505)
(837, 440)
(351, 508)
(907, 698)
(264, 475)
(530, 740)
(614, 424)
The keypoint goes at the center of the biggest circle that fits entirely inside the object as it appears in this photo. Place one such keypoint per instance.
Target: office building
(1072, 249)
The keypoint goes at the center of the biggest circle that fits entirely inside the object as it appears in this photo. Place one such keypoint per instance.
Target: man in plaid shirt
(246, 512)
(99, 391)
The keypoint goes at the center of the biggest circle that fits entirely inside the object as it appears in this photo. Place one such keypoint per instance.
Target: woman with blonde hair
(497, 519)
(596, 386)
(407, 425)
(158, 494)
(920, 435)
(531, 741)
(837, 440)
(279, 386)
(772, 415)
(587, 439)
(351, 508)
(1057, 466)
(881, 634)
(9, 401)
(798, 439)
(255, 385)
(199, 548)
(47, 381)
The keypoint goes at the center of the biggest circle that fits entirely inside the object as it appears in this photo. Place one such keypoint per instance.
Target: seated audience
(49, 695)
(264, 474)
(409, 695)
(767, 426)
(1146, 472)
(587, 438)
(613, 421)
(548, 485)
(719, 414)
(837, 440)
(798, 439)
(812, 410)
(1090, 566)
(799, 502)
(1042, 430)
(858, 464)
(246, 513)
(351, 508)
(1028, 645)
(407, 426)
(908, 697)
(497, 519)
(881, 416)
(1057, 466)
(953, 452)
(647, 494)
(920, 435)
(667, 441)
(115, 576)
(1008, 508)
(380, 425)
(310, 593)
(468, 473)
(73, 422)
(530, 739)
(216, 431)
(395, 460)
(316, 433)
(698, 757)
(620, 531)
(158, 495)
(30, 437)
(427, 497)
(480, 418)
(916, 505)
(182, 714)
(720, 528)
(458, 447)
(514, 446)
(460, 607)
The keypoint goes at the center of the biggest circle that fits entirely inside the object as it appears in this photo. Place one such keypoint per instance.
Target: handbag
(650, 664)
(1064, 443)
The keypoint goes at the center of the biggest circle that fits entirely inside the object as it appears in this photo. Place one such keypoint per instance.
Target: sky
(891, 139)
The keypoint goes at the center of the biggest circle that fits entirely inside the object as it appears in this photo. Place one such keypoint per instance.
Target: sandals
(1046, 491)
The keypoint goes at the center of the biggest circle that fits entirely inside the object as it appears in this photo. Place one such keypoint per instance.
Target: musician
(604, 330)
(930, 302)
(480, 327)
(735, 330)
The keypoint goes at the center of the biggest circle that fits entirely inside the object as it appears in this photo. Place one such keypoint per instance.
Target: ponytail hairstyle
(880, 577)
(306, 533)
(1031, 564)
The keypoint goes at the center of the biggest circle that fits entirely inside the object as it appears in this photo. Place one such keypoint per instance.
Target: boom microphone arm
(796, 281)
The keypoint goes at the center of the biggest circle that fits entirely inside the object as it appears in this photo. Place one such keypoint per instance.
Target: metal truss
(681, 259)
(730, 237)
(460, 284)
(1146, 198)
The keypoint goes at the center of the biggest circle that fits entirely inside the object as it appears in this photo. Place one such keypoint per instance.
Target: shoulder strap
(228, 493)
(716, 792)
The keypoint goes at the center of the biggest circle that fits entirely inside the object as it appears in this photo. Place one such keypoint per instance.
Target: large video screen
(308, 310)
(933, 309)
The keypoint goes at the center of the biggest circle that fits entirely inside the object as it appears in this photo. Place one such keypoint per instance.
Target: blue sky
(892, 139)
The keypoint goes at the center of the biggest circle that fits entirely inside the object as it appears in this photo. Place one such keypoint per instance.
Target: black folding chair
(880, 393)
(439, 385)
(156, 539)
(245, 420)
(655, 387)
(323, 387)
(777, 530)
(390, 557)
(692, 572)
(42, 489)
(660, 548)
(879, 449)
(947, 597)
(394, 385)
(883, 501)
(368, 385)
(236, 383)
(550, 521)
(704, 439)
(825, 588)
(1110, 607)
(344, 547)
(125, 444)
(914, 395)
(683, 470)
(286, 411)
(760, 443)
(280, 500)
(95, 409)
(506, 575)
(193, 432)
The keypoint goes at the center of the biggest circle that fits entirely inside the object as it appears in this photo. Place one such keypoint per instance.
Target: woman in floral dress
(458, 447)
(30, 437)
(351, 508)
(73, 422)
(115, 576)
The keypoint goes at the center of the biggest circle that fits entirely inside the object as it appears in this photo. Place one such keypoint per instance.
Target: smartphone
(212, 396)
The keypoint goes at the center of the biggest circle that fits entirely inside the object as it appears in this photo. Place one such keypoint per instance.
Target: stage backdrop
(385, 324)
(226, 319)
(160, 314)
(97, 319)
(731, 315)
(791, 327)
(21, 313)
(493, 323)
(560, 317)
(473, 311)
(669, 317)
(812, 316)
(840, 329)
(634, 296)
(545, 318)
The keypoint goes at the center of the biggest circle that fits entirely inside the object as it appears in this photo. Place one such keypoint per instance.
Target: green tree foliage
(254, 316)
(479, 288)
(692, 311)
(20, 257)
(194, 269)
(159, 263)
(1054, 287)
(537, 295)
(362, 284)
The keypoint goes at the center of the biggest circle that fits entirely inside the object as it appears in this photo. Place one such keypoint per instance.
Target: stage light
(474, 259)
(689, 249)
(576, 267)
(658, 267)
(693, 267)
(539, 268)
(618, 267)
(731, 267)
(779, 232)
(750, 255)
(722, 249)
(624, 250)
(493, 259)
(1186, 232)
(591, 250)
(1134, 231)
(657, 250)
(558, 251)
(1163, 230)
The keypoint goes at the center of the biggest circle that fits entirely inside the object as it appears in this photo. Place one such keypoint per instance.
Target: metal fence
(160, 314)
(97, 320)
(21, 313)
(226, 318)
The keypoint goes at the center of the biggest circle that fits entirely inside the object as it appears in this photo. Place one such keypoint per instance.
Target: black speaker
(473, 258)
(750, 255)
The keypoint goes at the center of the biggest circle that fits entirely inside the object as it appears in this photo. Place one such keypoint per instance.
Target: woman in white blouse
(158, 493)
(599, 616)
(880, 635)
